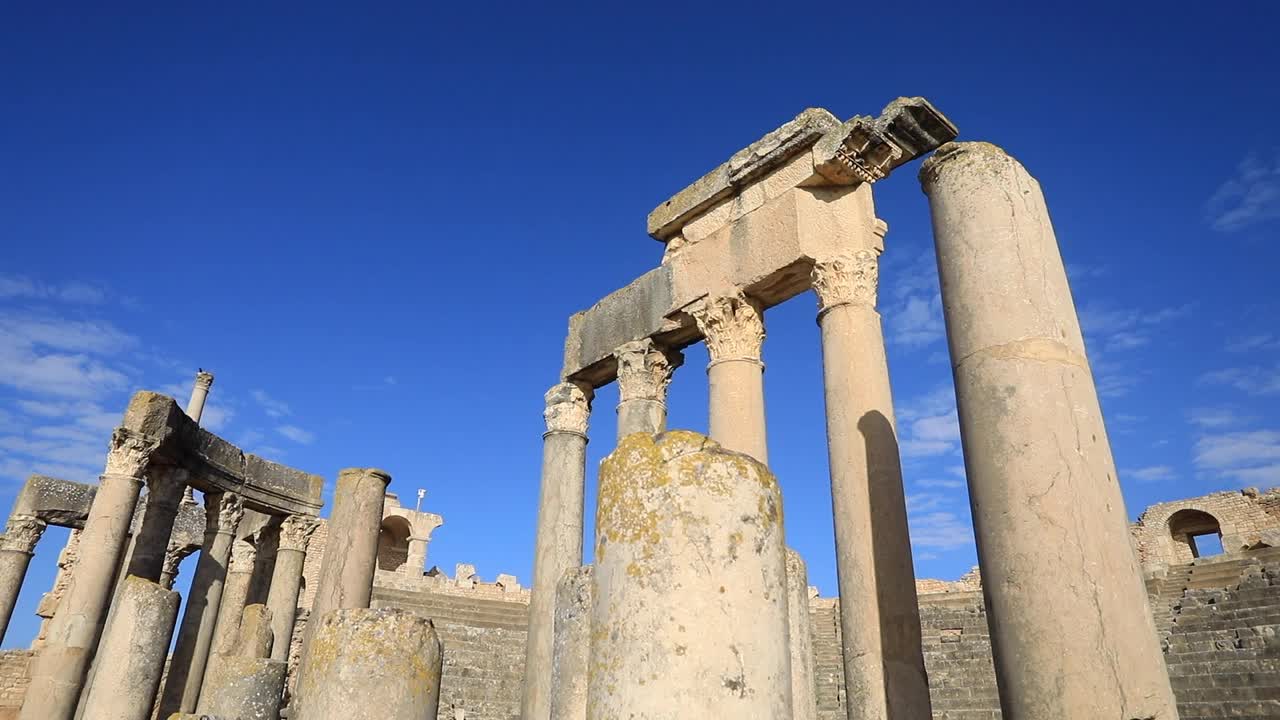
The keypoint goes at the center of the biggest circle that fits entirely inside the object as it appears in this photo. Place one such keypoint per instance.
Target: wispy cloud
(23, 287)
(1153, 473)
(1250, 197)
(296, 434)
(912, 303)
(1254, 343)
(272, 407)
(942, 530)
(1255, 380)
(1244, 456)
(930, 424)
(1216, 417)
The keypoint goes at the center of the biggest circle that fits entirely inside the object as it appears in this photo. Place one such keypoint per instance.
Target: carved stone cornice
(129, 454)
(295, 532)
(223, 512)
(732, 325)
(846, 279)
(22, 533)
(568, 408)
(644, 370)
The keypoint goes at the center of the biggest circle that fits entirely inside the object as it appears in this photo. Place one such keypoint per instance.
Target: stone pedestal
(572, 650)
(734, 329)
(689, 615)
(382, 664)
(1071, 631)
(195, 638)
(804, 692)
(134, 648)
(58, 671)
(245, 688)
(165, 486)
(644, 372)
(286, 580)
(558, 545)
(879, 613)
(16, 548)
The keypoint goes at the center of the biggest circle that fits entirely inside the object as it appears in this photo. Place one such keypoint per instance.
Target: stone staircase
(828, 667)
(483, 641)
(957, 656)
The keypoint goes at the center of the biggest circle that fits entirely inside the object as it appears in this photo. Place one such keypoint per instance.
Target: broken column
(286, 579)
(879, 613)
(199, 393)
(17, 545)
(58, 671)
(558, 544)
(804, 693)
(134, 647)
(362, 659)
(689, 611)
(644, 372)
(734, 330)
(223, 512)
(1072, 634)
(572, 650)
(244, 682)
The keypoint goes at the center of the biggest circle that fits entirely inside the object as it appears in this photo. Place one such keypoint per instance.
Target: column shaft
(1072, 633)
(804, 691)
(644, 371)
(879, 612)
(16, 548)
(558, 544)
(134, 647)
(286, 581)
(165, 486)
(572, 647)
(235, 593)
(734, 332)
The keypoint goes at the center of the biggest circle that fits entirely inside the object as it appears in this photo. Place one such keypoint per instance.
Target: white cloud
(949, 484)
(1153, 473)
(22, 287)
(1254, 343)
(918, 321)
(942, 530)
(215, 417)
(931, 424)
(1245, 456)
(1251, 197)
(1254, 380)
(1211, 418)
(272, 407)
(296, 434)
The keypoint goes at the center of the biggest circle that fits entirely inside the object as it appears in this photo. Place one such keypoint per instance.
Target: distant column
(165, 486)
(191, 653)
(199, 393)
(558, 544)
(879, 613)
(1072, 633)
(16, 548)
(644, 372)
(174, 554)
(58, 671)
(734, 330)
(417, 558)
(235, 593)
(286, 580)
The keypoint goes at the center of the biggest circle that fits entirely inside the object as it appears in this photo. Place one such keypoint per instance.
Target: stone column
(351, 553)
(644, 371)
(1071, 633)
(734, 331)
(362, 659)
(879, 613)
(134, 647)
(804, 692)
(235, 590)
(244, 683)
(286, 580)
(58, 671)
(199, 393)
(174, 554)
(689, 615)
(558, 545)
(572, 650)
(416, 560)
(165, 487)
(16, 548)
(195, 638)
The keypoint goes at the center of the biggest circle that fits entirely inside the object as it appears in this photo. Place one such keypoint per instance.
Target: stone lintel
(861, 149)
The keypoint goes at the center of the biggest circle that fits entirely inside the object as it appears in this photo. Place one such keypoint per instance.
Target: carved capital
(22, 533)
(174, 554)
(129, 453)
(644, 370)
(223, 512)
(204, 380)
(568, 408)
(295, 532)
(243, 555)
(847, 279)
(733, 327)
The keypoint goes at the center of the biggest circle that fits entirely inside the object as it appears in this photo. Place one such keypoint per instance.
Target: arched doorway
(1195, 534)
(393, 543)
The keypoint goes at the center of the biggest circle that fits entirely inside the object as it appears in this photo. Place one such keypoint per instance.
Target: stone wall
(1247, 518)
(13, 681)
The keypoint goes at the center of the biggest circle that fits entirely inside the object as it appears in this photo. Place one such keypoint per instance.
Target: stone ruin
(694, 606)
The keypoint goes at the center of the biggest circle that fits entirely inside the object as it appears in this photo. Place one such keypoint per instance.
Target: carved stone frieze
(847, 279)
(644, 370)
(732, 325)
(568, 408)
(22, 533)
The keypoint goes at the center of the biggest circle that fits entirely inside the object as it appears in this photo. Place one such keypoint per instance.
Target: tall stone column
(804, 691)
(286, 580)
(689, 616)
(417, 558)
(558, 544)
(235, 591)
(734, 330)
(572, 648)
(58, 671)
(199, 393)
(644, 372)
(195, 638)
(165, 487)
(1072, 633)
(17, 545)
(879, 613)
(134, 647)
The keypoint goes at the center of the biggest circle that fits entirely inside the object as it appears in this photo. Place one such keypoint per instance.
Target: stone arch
(393, 543)
(1185, 526)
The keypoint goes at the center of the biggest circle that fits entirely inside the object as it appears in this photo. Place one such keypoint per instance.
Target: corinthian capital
(129, 453)
(568, 408)
(22, 533)
(223, 512)
(295, 532)
(204, 379)
(732, 325)
(644, 370)
(243, 555)
(847, 279)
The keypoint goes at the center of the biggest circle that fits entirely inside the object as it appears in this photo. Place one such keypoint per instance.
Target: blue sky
(373, 223)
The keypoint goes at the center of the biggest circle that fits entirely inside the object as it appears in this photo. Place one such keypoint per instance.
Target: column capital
(223, 512)
(847, 279)
(644, 370)
(733, 326)
(295, 532)
(568, 408)
(22, 533)
(129, 453)
(174, 554)
(243, 555)
(204, 379)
